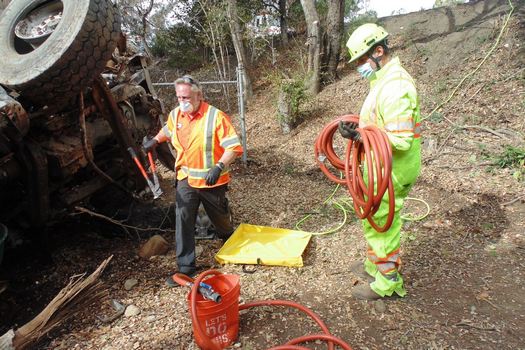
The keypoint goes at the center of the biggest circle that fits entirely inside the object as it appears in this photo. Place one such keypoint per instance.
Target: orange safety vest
(212, 133)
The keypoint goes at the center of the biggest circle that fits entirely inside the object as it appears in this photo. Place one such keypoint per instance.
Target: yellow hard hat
(363, 38)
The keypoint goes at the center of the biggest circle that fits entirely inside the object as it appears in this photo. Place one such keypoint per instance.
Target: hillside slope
(463, 263)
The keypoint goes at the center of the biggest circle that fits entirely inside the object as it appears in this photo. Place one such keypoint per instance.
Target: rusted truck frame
(64, 133)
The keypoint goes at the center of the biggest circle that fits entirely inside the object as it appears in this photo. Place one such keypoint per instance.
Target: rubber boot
(364, 292)
(358, 269)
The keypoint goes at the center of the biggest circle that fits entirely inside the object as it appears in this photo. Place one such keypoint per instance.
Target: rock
(129, 284)
(156, 245)
(131, 310)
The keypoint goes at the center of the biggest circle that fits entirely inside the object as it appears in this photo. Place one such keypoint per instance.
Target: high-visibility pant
(383, 259)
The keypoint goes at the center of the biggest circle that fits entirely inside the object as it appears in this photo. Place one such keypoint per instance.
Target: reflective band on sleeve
(400, 126)
(230, 141)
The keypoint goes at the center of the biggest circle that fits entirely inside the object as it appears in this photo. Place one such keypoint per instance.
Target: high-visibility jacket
(392, 105)
(211, 134)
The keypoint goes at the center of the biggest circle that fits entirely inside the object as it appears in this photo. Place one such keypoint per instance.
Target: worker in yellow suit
(392, 106)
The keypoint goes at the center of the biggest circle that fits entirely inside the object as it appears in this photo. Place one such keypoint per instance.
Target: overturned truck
(74, 96)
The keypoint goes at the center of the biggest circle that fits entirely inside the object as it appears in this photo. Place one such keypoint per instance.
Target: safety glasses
(187, 80)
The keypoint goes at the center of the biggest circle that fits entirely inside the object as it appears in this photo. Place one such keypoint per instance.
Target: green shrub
(297, 92)
(513, 158)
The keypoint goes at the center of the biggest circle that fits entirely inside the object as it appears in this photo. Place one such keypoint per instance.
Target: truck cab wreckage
(74, 96)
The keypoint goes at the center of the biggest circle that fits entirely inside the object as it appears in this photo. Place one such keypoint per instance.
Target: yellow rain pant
(383, 253)
(392, 105)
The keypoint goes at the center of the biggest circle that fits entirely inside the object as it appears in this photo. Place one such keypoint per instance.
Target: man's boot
(364, 292)
(358, 269)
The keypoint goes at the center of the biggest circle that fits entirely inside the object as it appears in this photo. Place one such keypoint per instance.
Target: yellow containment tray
(251, 244)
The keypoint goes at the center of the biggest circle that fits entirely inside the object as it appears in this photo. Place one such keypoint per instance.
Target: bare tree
(145, 13)
(314, 45)
(215, 33)
(135, 15)
(237, 38)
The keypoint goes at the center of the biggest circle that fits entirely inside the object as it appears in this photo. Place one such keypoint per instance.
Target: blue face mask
(366, 70)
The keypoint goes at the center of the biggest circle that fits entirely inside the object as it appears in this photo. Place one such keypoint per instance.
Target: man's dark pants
(187, 204)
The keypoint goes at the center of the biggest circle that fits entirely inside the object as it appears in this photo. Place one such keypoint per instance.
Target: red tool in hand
(154, 185)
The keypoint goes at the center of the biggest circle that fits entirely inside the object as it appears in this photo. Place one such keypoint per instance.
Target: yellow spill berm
(263, 245)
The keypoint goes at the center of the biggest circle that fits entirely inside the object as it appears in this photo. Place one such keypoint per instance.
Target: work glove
(213, 174)
(348, 131)
(150, 145)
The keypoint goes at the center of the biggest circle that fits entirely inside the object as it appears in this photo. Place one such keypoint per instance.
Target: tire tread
(76, 64)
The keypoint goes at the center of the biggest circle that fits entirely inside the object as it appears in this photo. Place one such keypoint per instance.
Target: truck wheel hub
(39, 23)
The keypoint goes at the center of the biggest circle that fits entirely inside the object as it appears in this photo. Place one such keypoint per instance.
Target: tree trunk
(284, 108)
(332, 42)
(236, 31)
(314, 45)
(283, 18)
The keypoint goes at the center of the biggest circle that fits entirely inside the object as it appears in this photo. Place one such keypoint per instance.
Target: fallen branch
(465, 166)
(490, 303)
(437, 153)
(464, 324)
(120, 223)
(77, 296)
(483, 128)
(513, 201)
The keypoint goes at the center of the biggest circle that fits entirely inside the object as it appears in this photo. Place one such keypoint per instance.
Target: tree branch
(120, 223)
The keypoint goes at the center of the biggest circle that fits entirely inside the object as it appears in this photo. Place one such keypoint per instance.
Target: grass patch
(512, 158)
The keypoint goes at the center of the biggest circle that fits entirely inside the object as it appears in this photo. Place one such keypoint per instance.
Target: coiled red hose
(373, 148)
(291, 345)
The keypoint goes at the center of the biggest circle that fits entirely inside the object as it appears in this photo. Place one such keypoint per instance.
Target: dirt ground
(463, 263)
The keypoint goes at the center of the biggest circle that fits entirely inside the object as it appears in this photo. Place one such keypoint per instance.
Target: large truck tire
(68, 60)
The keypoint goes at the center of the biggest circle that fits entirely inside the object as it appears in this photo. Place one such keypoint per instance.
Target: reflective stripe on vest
(209, 132)
(198, 173)
(166, 130)
(205, 147)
